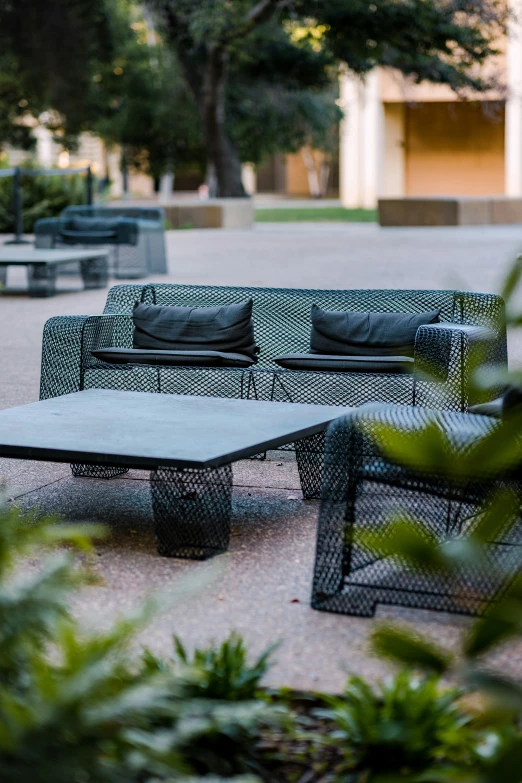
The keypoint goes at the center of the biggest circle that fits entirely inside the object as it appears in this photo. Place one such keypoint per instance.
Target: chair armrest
(446, 356)
(487, 310)
(61, 355)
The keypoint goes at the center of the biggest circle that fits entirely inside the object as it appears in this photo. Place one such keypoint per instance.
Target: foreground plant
(75, 707)
(216, 672)
(495, 456)
(409, 727)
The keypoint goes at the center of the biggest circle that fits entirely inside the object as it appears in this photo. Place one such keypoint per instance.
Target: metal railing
(17, 172)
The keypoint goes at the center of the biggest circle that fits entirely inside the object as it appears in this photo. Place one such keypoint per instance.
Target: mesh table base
(309, 453)
(41, 279)
(192, 509)
(95, 272)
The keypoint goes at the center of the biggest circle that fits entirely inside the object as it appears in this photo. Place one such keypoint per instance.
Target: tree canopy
(222, 81)
(260, 65)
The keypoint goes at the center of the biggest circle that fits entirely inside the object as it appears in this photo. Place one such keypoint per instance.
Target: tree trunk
(222, 154)
(313, 179)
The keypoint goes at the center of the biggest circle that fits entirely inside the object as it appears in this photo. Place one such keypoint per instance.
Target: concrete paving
(261, 587)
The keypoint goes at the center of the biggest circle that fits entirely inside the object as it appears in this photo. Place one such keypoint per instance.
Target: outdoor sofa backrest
(282, 316)
(155, 214)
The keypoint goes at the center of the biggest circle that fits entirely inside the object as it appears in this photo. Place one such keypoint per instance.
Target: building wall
(454, 149)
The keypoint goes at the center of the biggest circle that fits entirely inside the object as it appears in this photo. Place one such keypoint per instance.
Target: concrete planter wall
(450, 211)
(212, 213)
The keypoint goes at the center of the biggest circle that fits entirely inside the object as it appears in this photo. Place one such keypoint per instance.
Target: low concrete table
(42, 266)
(188, 443)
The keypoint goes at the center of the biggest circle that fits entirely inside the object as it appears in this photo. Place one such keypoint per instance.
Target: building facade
(402, 139)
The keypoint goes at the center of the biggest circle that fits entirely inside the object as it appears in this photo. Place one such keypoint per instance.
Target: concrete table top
(11, 256)
(143, 430)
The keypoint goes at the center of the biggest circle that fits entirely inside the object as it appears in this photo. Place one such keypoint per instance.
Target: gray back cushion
(366, 334)
(282, 316)
(227, 328)
(86, 224)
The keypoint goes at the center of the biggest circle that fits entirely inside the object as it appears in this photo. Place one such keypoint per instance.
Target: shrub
(403, 727)
(75, 707)
(217, 672)
(42, 196)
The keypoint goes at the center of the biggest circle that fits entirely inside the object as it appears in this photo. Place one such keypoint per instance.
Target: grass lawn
(292, 214)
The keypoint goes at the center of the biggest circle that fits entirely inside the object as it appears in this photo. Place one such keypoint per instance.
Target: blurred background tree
(273, 45)
(216, 83)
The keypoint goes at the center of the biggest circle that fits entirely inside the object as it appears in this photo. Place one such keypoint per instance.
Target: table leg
(192, 509)
(3, 276)
(81, 470)
(41, 279)
(309, 454)
(95, 272)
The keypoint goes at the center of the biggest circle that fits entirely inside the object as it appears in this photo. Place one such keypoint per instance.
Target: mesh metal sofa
(151, 238)
(472, 330)
(118, 232)
(471, 324)
(362, 488)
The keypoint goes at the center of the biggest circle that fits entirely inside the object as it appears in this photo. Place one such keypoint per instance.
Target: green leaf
(504, 695)
(502, 621)
(407, 539)
(409, 649)
(508, 767)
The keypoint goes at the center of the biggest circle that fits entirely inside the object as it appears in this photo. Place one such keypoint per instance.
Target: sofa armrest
(105, 331)
(61, 355)
(127, 231)
(46, 230)
(446, 357)
(68, 342)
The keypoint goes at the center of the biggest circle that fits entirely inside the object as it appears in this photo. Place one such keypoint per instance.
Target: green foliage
(75, 707)
(272, 66)
(221, 708)
(138, 98)
(495, 455)
(217, 672)
(42, 196)
(404, 727)
(48, 51)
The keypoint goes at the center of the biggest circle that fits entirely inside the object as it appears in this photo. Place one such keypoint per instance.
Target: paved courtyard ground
(262, 586)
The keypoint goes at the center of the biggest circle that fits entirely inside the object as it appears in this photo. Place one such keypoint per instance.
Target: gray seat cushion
(366, 334)
(330, 363)
(503, 407)
(491, 408)
(172, 358)
(227, 329)
(87, 236)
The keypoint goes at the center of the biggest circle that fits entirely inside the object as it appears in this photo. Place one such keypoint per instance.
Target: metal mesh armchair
(362, 488)
(151, 239)
(120, 233)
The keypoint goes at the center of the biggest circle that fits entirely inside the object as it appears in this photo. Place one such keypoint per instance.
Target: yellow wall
(454, 149)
